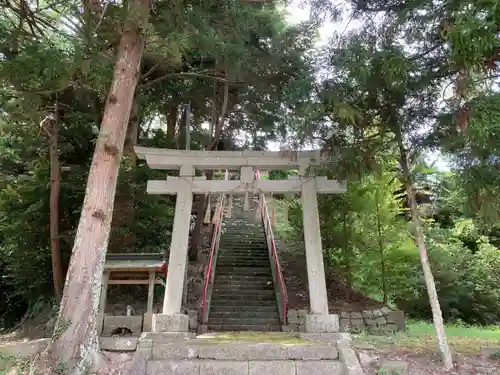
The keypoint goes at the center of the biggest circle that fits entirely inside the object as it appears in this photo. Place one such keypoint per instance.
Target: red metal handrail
(267, 223)
(213, 246)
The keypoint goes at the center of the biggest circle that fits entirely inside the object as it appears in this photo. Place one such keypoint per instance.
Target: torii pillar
(171, 319)
(319, 319)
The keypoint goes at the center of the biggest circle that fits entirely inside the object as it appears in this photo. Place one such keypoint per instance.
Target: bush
(467, 283)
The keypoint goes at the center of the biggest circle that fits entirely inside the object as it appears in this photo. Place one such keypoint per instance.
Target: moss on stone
(257, 337)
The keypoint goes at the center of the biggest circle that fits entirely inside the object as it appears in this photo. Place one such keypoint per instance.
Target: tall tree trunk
(55, 187)
(171, 123)
(437, 314)
(122, 236)
(347, 253)
(381, 250)
(74, 342)
(203, 202)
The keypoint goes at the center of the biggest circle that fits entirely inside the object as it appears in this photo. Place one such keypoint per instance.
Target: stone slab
(174, 352)
(322, 323)
(224, 367)
(243, 352)
(173, 367)
(167, 337)
(319, 368)
(134, 323)
(170, 323)
(24, 349)
(271, 368)
(324, 337)
(312, 352)
(348, 356)
(118, 344)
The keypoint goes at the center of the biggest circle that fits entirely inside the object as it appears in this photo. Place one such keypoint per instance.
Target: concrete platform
(212, 367)
(245, 351)
(244, 354)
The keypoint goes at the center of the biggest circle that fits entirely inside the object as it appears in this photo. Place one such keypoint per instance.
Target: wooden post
(148, 316)
(285, 213)
(102, 302)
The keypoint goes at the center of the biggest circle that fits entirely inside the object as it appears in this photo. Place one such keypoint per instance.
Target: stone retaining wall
(379, 321)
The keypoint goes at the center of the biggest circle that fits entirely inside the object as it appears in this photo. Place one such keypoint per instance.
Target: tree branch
(186, 74)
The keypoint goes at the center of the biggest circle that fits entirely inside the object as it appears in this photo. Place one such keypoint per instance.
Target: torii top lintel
(162, 158)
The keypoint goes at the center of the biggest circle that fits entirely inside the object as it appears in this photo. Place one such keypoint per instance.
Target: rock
(490, 353)
(356, 315)
(367, 360)
(344, 324)
(367, 314)
(370, 322)
(357, 324)
(377, 313)
(394, 367)
(381, 320)
(398, 318)
(385, 310)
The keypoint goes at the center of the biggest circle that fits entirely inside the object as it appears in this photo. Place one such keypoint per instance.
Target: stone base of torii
(246, 162)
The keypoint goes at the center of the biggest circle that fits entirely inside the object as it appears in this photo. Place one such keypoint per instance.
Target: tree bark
(55, 187)
(347, 252)
(381, 250)
(202, 204)
(437, 314)
(75, 342)
(122, 236)
(171, 123)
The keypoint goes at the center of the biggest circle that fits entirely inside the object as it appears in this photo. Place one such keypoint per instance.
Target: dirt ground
(428, 364)
(419, 361)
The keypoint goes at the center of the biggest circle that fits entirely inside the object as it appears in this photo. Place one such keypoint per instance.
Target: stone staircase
(243, 296)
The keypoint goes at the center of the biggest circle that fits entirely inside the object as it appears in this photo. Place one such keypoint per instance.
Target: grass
(421, 337)
(9, 362)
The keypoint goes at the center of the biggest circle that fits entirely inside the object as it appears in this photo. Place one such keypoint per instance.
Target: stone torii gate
(184, 186)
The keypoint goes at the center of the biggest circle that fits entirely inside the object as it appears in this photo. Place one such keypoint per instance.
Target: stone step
(243, 286)
(242, 263)
(243, 231)
(270, 367)
(242, 294)
(243, 249)
(238, 243)
(245, 350)
(217, 302)
(244, 314)
(258, 292)
(245, 328)
(244, 271)
(241, 279)
(263, 261)
(258, 295)
(245, 254)
(244, 321)
(258, 308)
